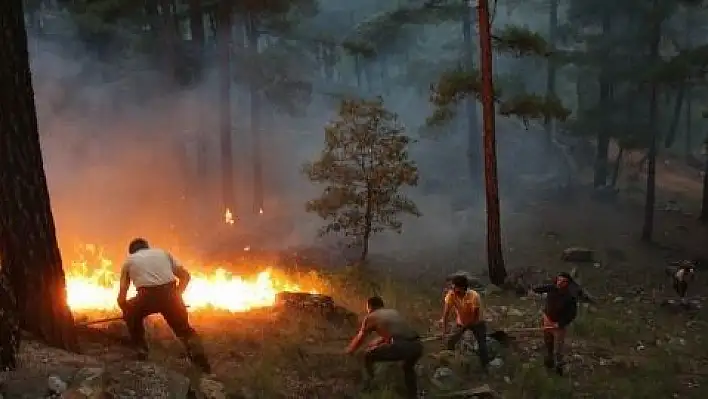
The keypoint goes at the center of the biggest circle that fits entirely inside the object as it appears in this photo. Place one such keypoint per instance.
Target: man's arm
(447, 308)
(124, 285)
(181, 273)
(366, 328)
(583, 296)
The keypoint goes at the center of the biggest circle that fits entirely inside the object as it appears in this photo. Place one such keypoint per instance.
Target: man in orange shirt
(470, 316)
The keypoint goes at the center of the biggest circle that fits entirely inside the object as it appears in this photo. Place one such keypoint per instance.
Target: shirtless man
(397, 342)
(160, 282)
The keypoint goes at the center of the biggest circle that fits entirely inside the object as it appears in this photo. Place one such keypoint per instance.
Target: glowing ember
(228, 217)
(98, 289)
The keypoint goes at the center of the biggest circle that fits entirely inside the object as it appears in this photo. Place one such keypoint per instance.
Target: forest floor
(626, 346)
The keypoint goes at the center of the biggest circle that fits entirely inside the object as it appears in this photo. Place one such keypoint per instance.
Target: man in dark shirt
(560, 310)
(397, 341)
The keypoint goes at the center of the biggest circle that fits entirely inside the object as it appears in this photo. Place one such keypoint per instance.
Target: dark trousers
(167, 301)
(479, 330)
(681, 287)
(554, 340)
(408, 351)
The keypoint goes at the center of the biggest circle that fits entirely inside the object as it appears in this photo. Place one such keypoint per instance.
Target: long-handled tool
(101, 321)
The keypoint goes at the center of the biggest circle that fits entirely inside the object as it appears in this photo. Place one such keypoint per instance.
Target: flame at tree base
(97, 289)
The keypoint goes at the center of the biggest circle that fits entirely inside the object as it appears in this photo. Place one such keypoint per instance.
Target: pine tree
(28, 247)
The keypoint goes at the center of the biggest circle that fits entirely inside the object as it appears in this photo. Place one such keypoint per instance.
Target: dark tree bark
(689, 125)
(495, 258)
(704, 202)
(9, 324)
(28, 245)
(678, 105)
(474, 152)
(603, 137)
(648, 228)
(551, 68)
(616, 167)
(255, 99)
(227, 160)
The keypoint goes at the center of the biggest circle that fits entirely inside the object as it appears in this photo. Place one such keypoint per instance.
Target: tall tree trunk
(648, 228)
(689, 125)
(168, 33)
(196, 26)
(495, 258)
(676, 117)
(551, 67)
(255, 96)
(603, 136)
(28, 244)
(616, 167)
(227, 160)
(474, 151)
(704, 203)
(9, 324)
(689, 95)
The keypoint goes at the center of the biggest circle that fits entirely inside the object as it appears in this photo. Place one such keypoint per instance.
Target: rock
(211, 389)
(497, 362)
(178, 385)
(56, 385)
(88, 382)
(578, 254)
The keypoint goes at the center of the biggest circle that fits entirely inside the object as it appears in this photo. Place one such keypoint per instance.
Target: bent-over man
(467, 304)
(160, 282)
(397, 341)
(560, 310)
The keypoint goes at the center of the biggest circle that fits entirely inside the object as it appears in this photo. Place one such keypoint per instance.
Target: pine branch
(456, 85)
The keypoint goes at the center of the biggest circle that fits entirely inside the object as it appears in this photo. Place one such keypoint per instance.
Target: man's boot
(195, 351)
(549, 361)
(559, 364)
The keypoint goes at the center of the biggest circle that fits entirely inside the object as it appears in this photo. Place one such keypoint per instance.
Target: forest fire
(92, 285)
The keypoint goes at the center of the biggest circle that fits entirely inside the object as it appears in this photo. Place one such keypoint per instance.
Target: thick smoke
(120, 146)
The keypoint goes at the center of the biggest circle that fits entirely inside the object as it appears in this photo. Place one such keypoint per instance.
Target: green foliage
(456, 85)
(364, 165)
(520, 42)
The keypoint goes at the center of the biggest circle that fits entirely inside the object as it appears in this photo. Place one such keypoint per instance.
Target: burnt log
(298, 303)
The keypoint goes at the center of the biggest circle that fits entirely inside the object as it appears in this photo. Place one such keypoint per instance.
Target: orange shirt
(468, 308)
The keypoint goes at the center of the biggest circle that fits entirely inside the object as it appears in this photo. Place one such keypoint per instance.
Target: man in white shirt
(160, 281)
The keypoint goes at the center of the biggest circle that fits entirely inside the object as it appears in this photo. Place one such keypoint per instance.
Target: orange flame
(229, 217)
(92, 285)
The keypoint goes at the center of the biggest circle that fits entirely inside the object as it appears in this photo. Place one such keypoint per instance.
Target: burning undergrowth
(92, 280)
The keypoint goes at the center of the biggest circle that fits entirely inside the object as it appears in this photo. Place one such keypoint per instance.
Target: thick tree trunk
(227, 160)
(689, 125)
(648, 228)
(474, 153)
(617, 166)
(28, 245)
(704, 203)
(551, 67)
(495, 258)
(9, 324)
(255, 96)
(603, 137)
(676, 117)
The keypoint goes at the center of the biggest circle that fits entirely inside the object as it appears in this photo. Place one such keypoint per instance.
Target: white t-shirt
(150, 267)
